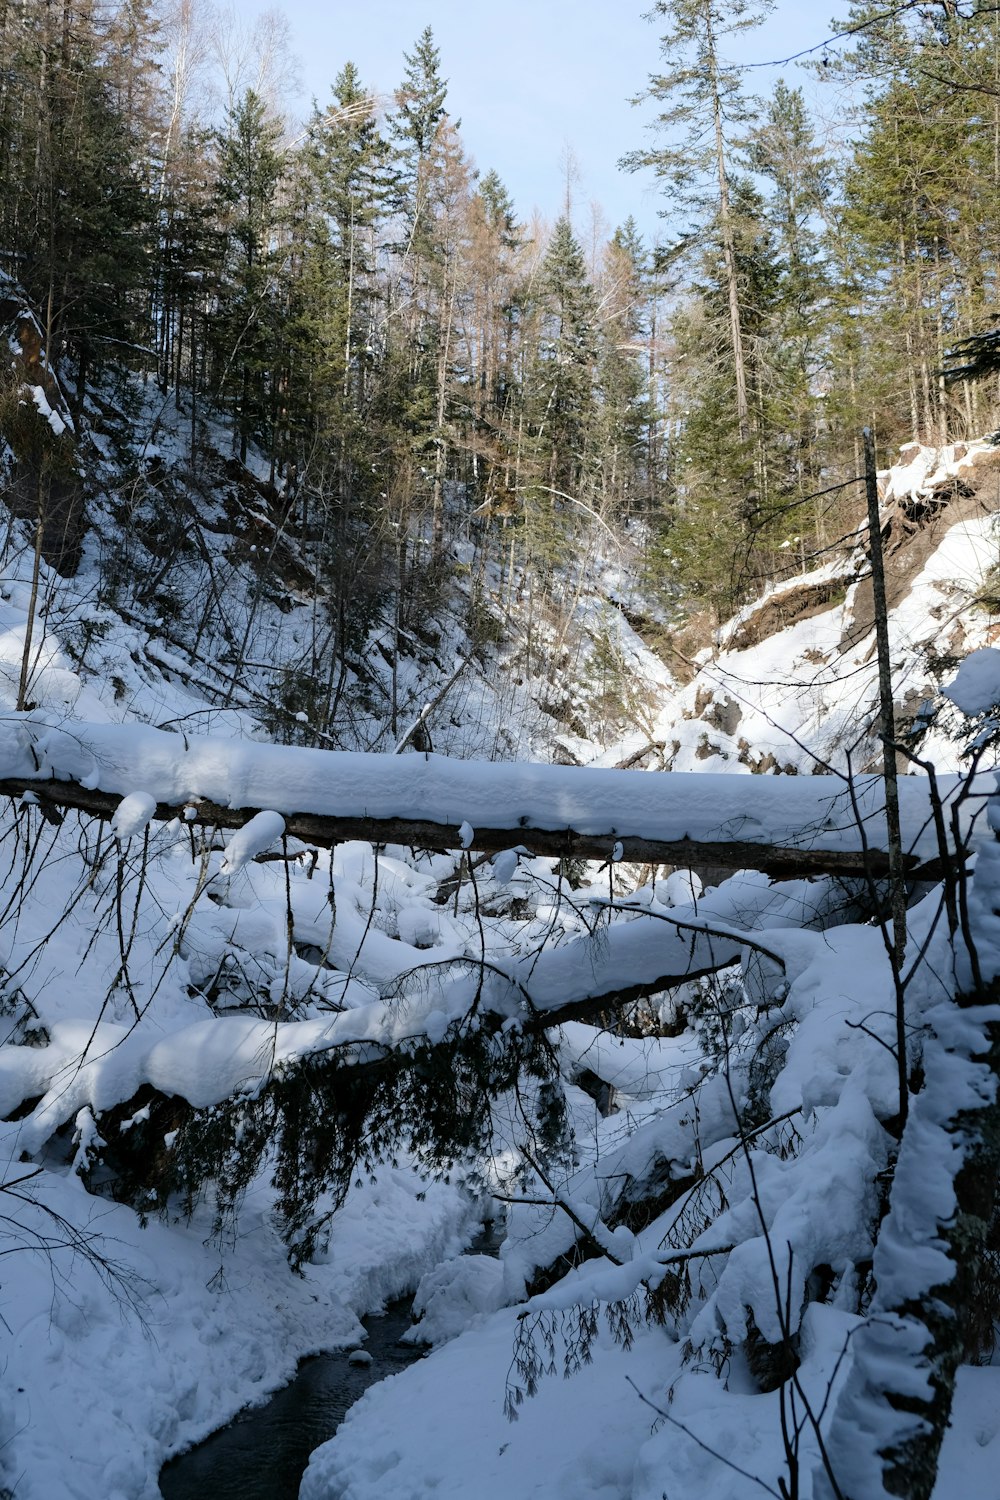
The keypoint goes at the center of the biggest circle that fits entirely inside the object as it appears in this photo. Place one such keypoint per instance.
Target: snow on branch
(894, 1409)
(210, 1060)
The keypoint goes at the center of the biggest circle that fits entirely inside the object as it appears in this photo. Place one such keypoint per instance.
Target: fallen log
(783, 826)
(327, 830)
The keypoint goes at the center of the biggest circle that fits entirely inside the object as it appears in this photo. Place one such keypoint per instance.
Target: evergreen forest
(498, 726)
(377, 317)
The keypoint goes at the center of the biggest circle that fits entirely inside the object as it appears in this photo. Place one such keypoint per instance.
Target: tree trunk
(729, 252)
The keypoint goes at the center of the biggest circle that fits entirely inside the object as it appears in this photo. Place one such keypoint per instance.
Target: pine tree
(624, 447)
(245, 327)
(78, 211)
(336, 411)
(494, 244)
(795, 344)
(723, 484)
(190, 251)
(420, 100)
(702, 102)
(564, 378)
(919, 228)
(350, 187)
(436, 183)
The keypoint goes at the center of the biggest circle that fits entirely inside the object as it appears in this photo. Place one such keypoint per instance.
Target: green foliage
(563, 375)
(247, 325)
(622, 442)
(420, 98)
(317, 1124)
(75, 211)
(692, 80)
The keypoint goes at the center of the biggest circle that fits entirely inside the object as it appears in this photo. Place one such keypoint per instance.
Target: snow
(157, 959)
(453, 1295)
(439, 1427)
(976, 688)
(45, 411)
(133, 814)
(209, 1329)
(256, 835)
(815, 813)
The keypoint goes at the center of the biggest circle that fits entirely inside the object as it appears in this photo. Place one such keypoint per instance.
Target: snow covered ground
(134, 956)
(111, 1367)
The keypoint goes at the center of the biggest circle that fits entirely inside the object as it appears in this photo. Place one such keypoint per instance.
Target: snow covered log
(210, 1060)
(783, 826)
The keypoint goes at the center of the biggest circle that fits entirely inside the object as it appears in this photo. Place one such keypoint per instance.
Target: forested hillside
(497, 725)
(400, 348)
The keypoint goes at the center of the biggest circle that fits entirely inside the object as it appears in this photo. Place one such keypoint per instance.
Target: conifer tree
(624, 456)
(494, 244)
(919, 228)
(565, 370)
(702, 102)
(420, 101)
(350, 186)
(723, 484)
(245, 327)
(190, 249)
(435, 186)
(795, 345)
(78, 215)
(336, 416)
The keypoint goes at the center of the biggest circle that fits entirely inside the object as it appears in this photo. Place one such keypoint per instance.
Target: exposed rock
(906, 552)
(762, 765)
(706, 750)
(724, 715)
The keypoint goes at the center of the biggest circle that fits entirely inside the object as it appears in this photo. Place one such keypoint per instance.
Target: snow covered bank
(108, 1376)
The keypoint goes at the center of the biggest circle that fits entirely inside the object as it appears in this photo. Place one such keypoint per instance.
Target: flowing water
(263, 1453)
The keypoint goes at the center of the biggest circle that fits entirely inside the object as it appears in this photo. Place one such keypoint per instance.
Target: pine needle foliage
(317, 1125)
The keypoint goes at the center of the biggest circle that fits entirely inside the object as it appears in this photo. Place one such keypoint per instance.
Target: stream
(264, 1451)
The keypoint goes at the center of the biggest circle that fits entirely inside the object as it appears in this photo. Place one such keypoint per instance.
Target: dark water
(263, 1454)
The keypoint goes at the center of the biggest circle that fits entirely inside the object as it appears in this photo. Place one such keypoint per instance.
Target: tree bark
(561, 843)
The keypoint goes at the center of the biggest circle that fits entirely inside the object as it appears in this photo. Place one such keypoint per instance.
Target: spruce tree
(702, 103)
(919, 228)
(245, 327)
(624, 456)
(723, 485)
(350, 187)
(435, 187)
(420, 99)
(495, 241)
(565, 371)
(77, 207)
(794, 349)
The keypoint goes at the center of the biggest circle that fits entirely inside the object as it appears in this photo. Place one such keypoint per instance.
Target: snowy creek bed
(263, 1453)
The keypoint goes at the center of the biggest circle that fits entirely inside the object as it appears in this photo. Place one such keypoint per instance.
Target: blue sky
(532, 78)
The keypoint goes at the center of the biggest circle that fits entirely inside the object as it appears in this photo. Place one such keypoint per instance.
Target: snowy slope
(802, 697)
(137, 957)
